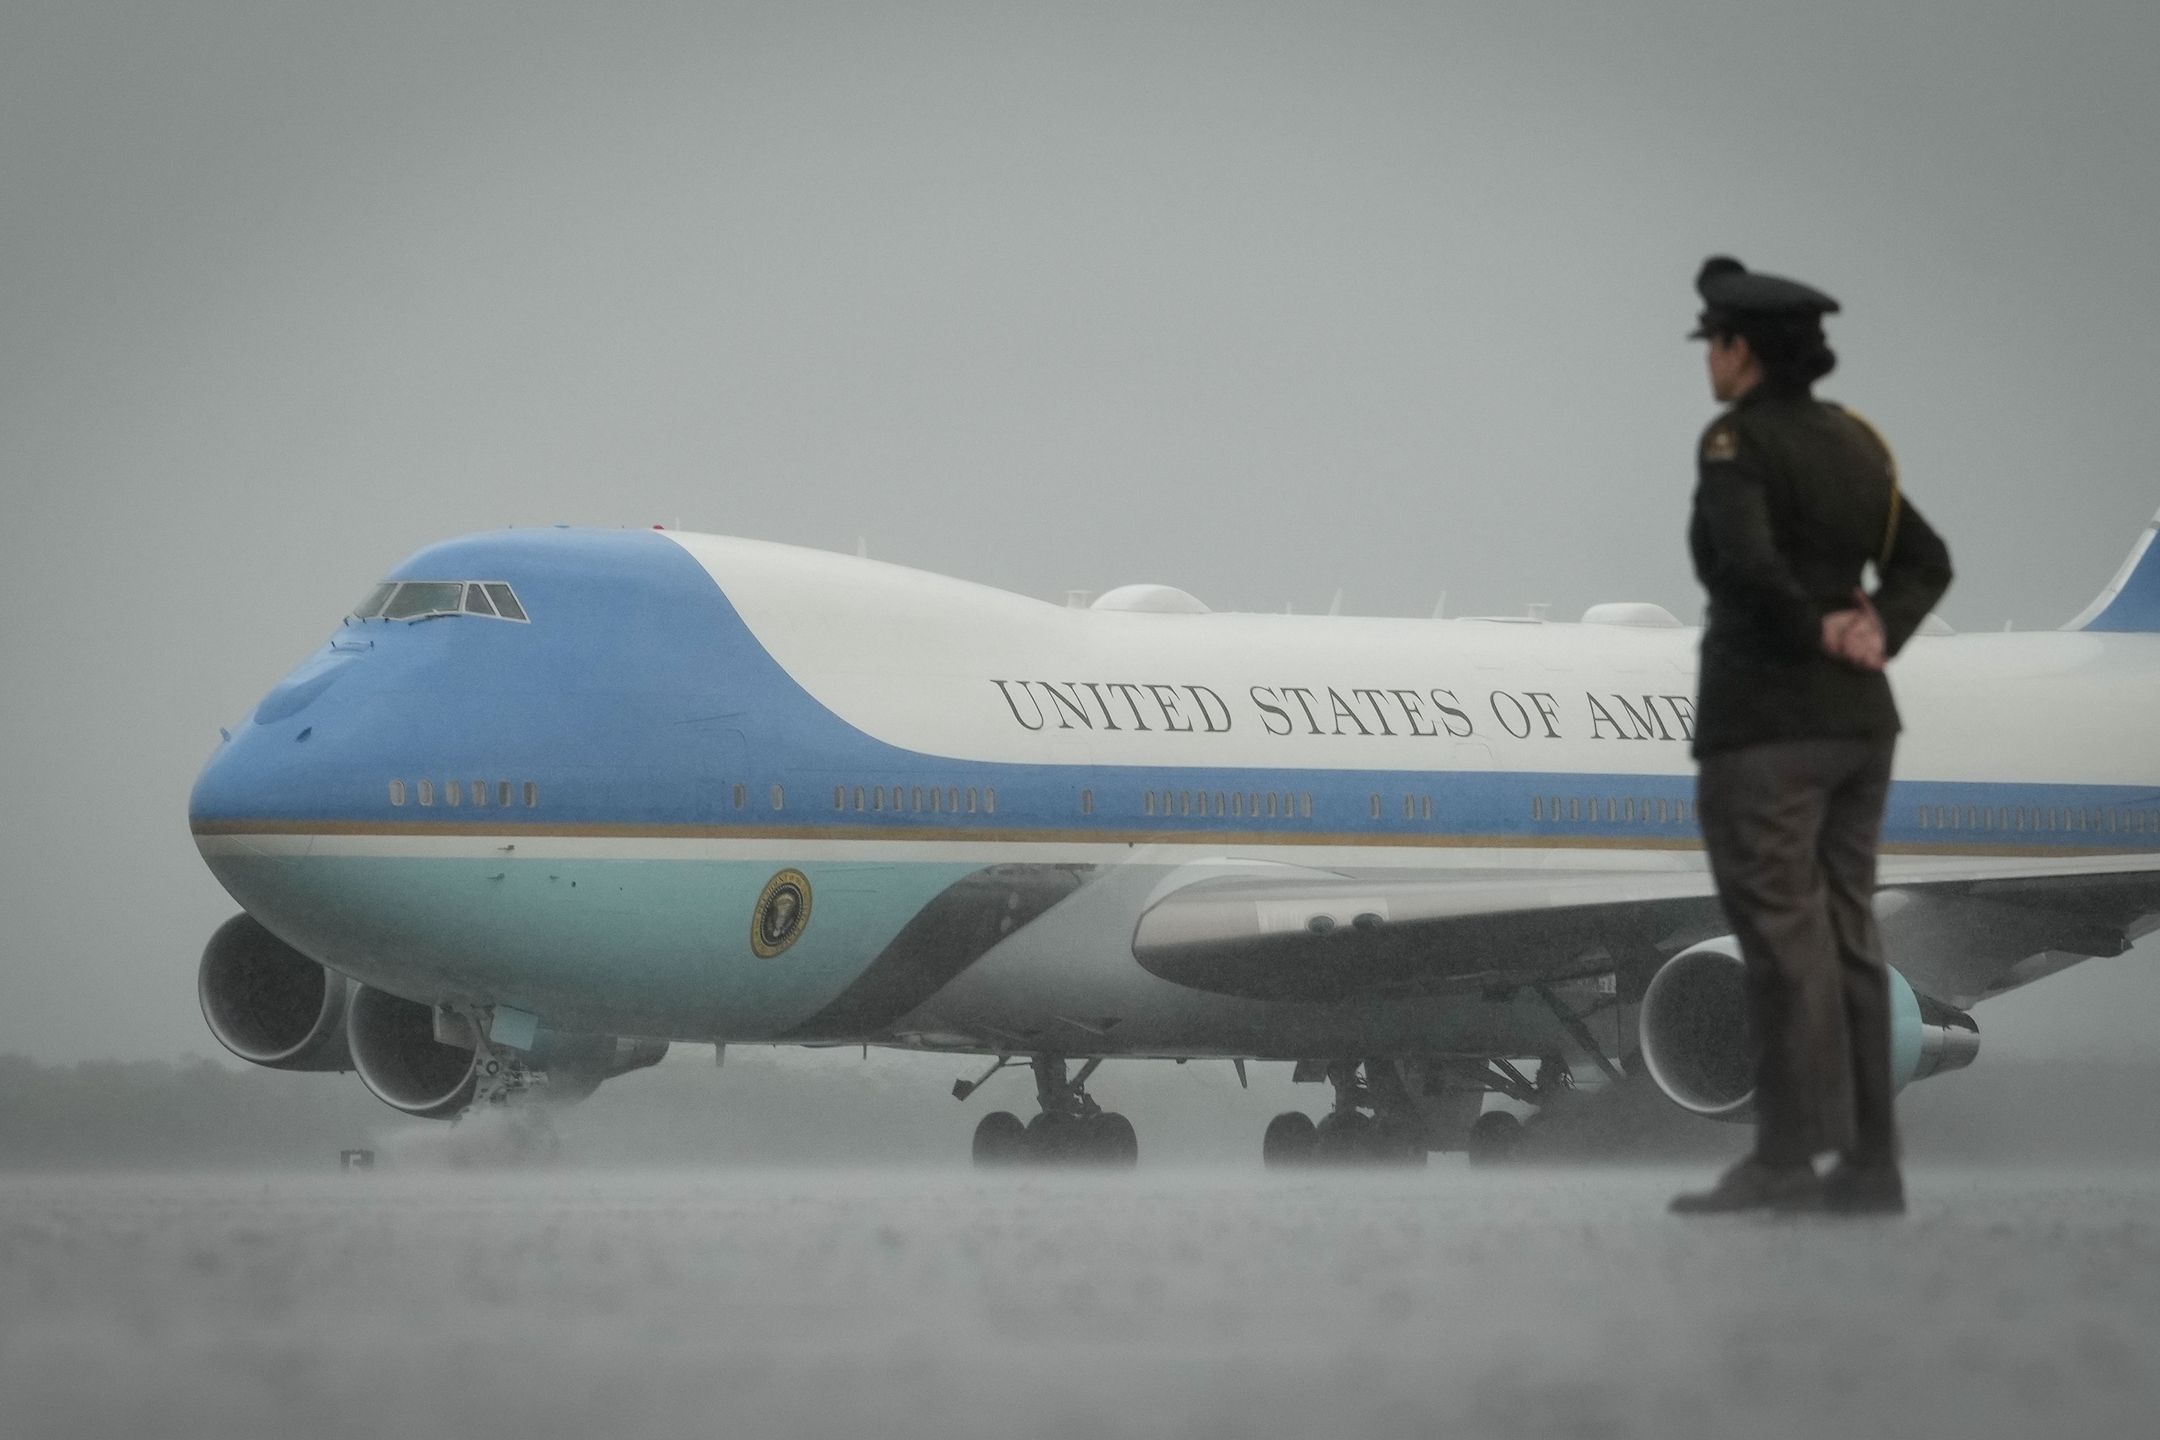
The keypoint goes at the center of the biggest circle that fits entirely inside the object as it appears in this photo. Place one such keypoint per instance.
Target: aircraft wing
(1960, 928)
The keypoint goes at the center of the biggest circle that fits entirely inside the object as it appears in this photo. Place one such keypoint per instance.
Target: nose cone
(281, 763)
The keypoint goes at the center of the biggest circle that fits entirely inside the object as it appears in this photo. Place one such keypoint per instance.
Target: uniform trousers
(1792, 829)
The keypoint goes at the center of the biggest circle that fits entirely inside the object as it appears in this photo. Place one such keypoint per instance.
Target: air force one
(548, 800)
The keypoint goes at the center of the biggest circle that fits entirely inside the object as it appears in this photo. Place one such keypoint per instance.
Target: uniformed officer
(1796, 498)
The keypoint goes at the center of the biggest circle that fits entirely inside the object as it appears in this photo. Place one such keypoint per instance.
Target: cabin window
(915, 797)
(1376, 807)
(397, 792)
(502, 794)
(861, 800)
(1087, 801)
(1305, 806)
(452, 792)
(971, 800)
(479, 793)
(877, 797)
(427, 792)
(935, 796)
(1574, 809)
(1237, 802)
(990, 799)
(1147, 802)
(779, 798)
(839, 797)
(532, 795)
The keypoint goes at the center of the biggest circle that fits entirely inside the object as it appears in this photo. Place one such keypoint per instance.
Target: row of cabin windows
(1414, 807)
(920, 799)
(503, 794)
(1237, 804)
(1612, 809)
(506, 794)
(2022, 817)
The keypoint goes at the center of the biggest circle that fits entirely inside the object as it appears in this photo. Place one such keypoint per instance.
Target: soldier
(1795, 498)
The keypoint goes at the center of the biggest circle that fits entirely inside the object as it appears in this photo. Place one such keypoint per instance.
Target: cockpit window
(425, 599)
(417, 598)
(369, 608)
(506, 604)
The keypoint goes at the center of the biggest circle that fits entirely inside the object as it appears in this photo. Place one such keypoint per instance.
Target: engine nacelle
(411, 1064)
(401, 1061)
(1694, 1030)
(268, 1003)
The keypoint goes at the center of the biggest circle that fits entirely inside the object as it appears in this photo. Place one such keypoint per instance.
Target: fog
(1186, 1304)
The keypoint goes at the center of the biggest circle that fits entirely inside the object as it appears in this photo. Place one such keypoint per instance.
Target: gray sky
(1256, 300)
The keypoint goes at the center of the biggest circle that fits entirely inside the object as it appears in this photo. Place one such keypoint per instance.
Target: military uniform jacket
(1794, 498)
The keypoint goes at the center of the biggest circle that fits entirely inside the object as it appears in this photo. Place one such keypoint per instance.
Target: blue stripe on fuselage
(637, 697)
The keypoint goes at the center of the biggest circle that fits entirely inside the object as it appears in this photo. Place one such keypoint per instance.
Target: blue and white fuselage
(577, 810)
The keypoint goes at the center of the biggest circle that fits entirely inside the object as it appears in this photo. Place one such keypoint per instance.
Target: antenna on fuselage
(1335, 605)
(1439, 609)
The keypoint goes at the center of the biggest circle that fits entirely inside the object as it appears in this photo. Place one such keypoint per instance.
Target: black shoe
(1753, 1185)
(1864, 1188)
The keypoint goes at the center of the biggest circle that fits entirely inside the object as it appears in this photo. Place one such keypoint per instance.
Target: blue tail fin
(2132, 600)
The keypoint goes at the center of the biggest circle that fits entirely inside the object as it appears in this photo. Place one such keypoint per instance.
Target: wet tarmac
(833, 1303)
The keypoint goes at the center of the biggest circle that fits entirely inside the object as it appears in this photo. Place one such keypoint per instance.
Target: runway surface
(1225, 1304)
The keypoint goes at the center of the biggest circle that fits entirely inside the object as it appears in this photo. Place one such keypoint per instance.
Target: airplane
(550, 799)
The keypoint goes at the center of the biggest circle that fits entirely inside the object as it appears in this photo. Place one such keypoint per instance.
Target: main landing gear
(1374, 1122)
(1070, 1128)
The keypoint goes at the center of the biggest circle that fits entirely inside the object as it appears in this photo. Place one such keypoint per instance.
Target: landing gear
(508, 1120)
(1375, 1122)
(1290, 1141)
(1069, 1129)
(1495, 1138)
(1000, 1139)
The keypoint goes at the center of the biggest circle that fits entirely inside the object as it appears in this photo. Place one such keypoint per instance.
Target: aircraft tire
(1495, 1138)
(1052, 1139)
(1288, 1142)
(1112, 1141)
(1000, 1139)
(1343, 1138)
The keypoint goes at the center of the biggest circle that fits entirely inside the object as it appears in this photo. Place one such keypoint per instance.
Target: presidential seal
(782, 914)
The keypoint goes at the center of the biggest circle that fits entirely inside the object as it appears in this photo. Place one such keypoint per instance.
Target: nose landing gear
(1070, 1128)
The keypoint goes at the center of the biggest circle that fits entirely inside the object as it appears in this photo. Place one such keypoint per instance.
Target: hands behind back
(1854, 636)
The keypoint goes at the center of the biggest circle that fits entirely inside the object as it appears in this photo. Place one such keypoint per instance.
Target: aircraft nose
(280, 763)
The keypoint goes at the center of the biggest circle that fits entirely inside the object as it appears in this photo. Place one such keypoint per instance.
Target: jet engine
(268, 1003)
(412, 1063)
(1695, 1038)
